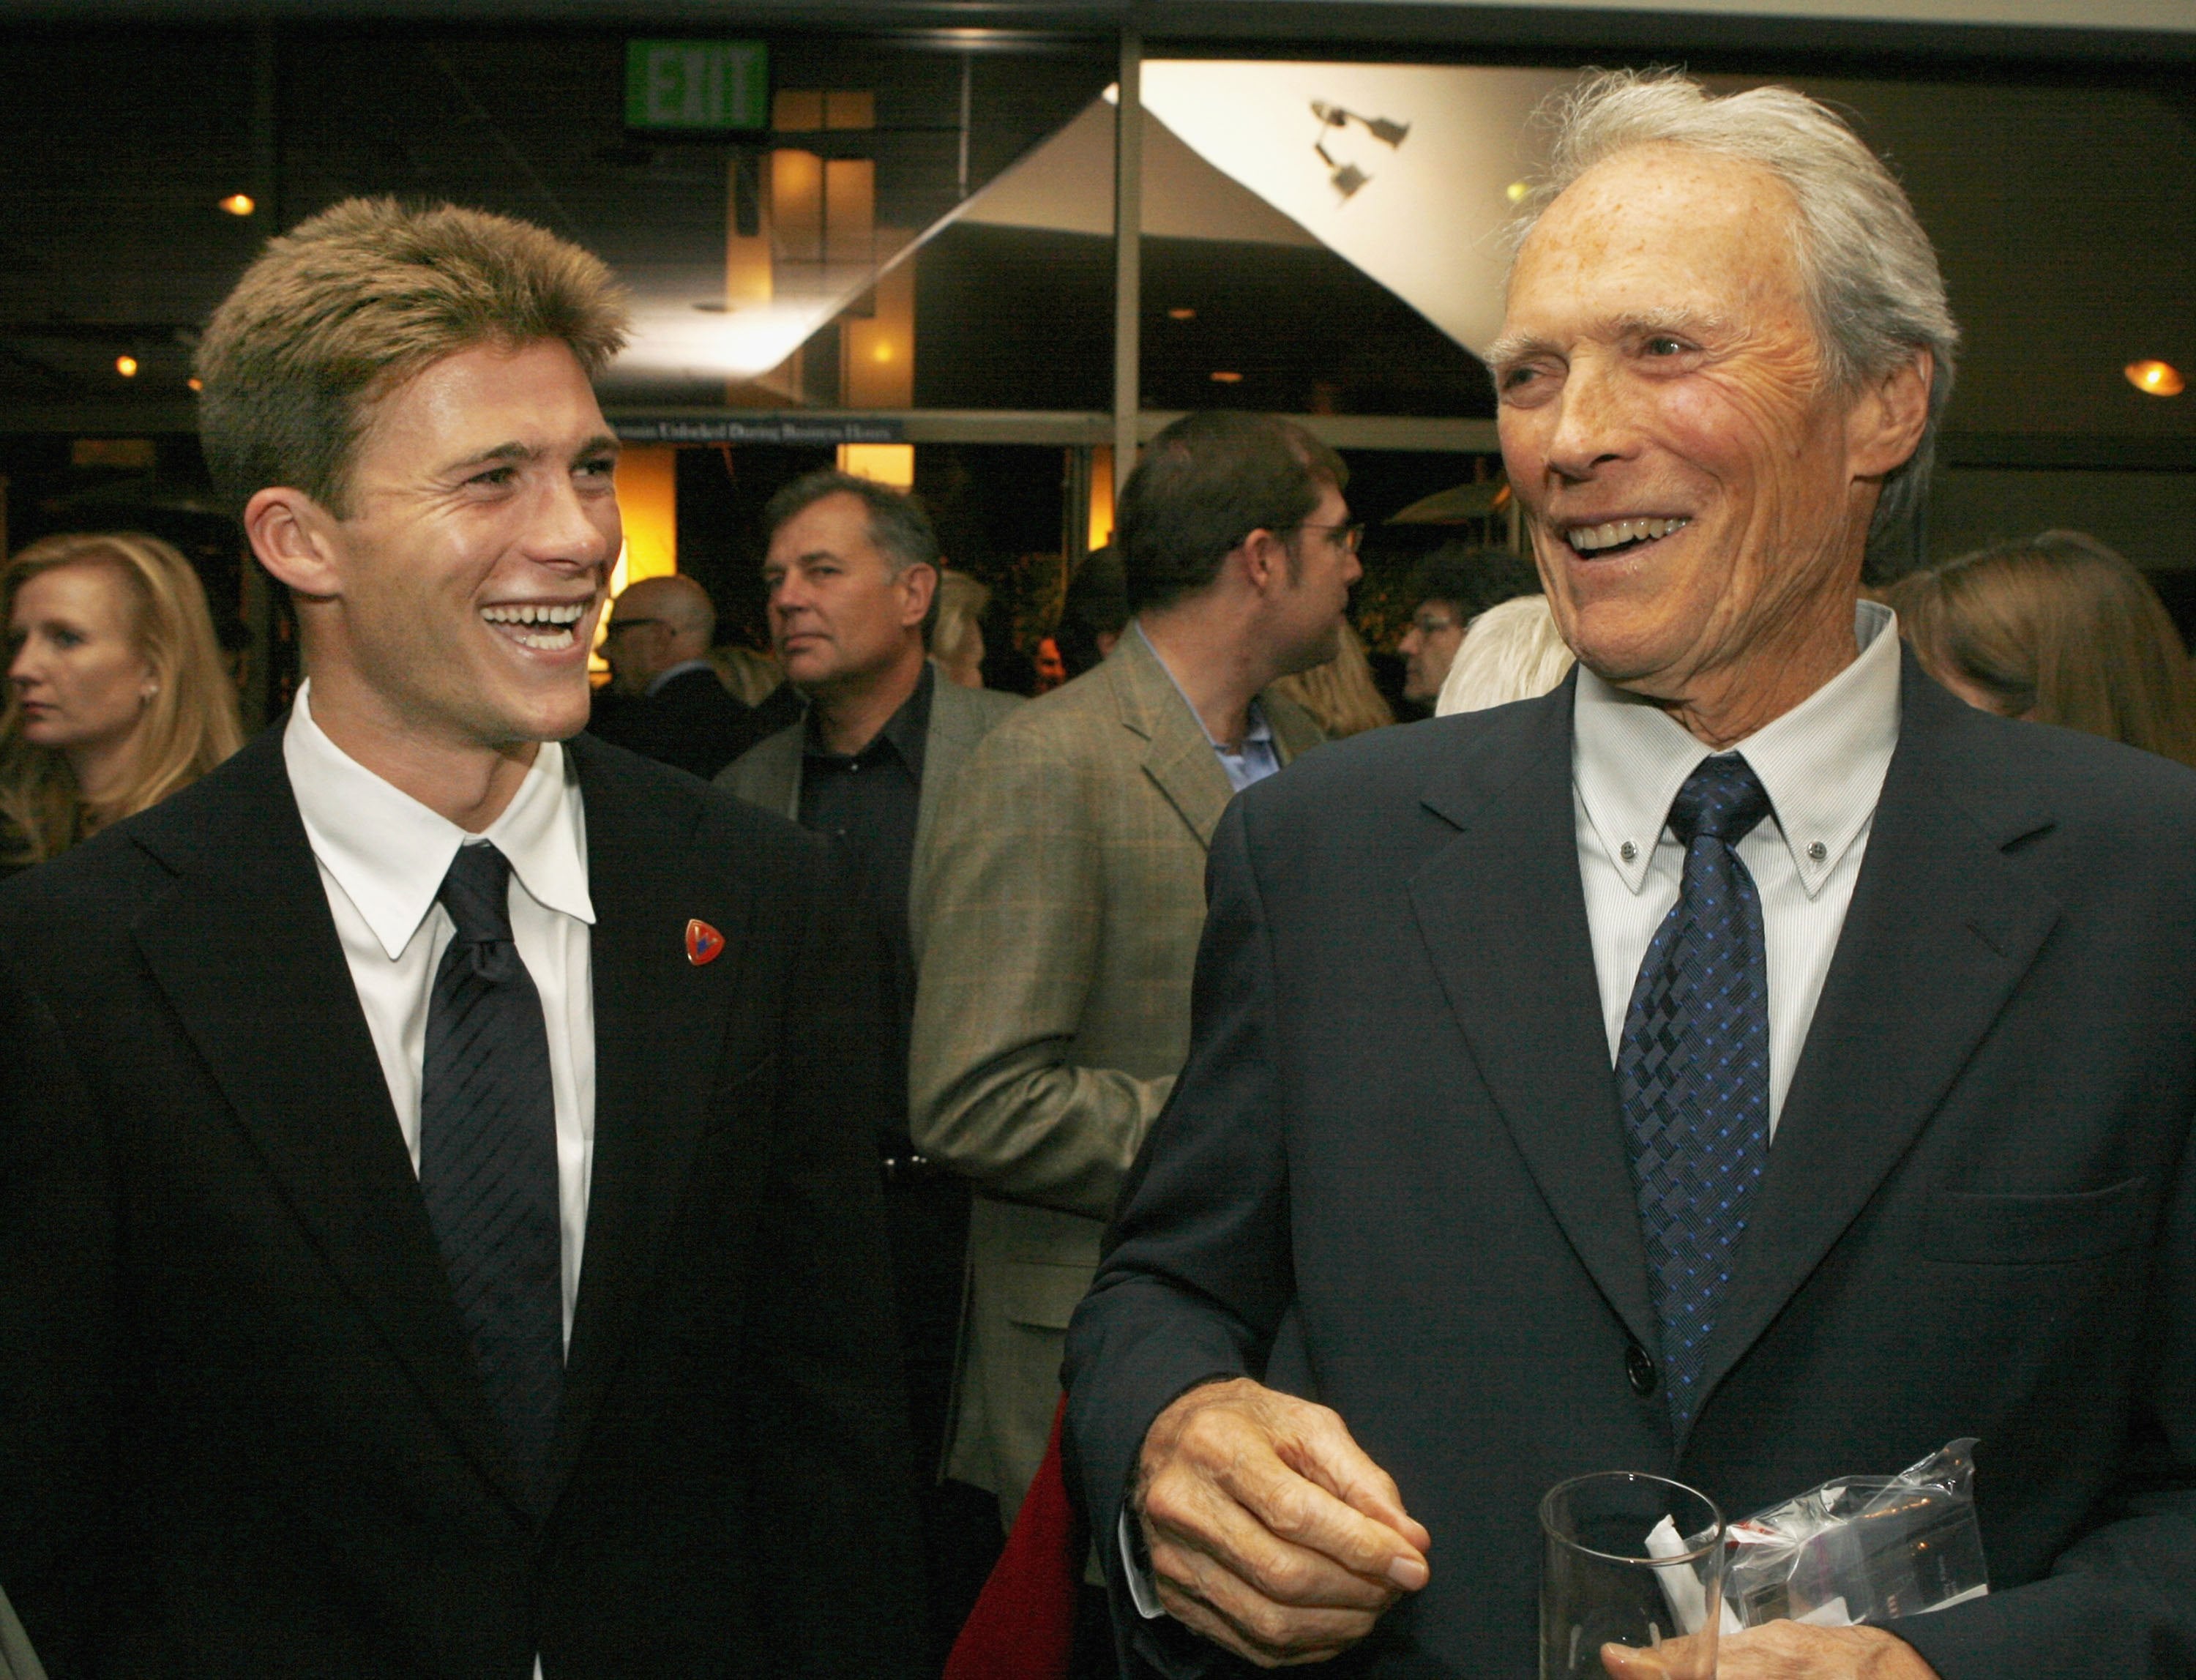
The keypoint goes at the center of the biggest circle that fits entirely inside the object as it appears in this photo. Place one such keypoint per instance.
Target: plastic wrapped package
(1862, 1549)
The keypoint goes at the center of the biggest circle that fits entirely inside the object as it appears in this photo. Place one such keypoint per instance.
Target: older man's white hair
(1869, 272)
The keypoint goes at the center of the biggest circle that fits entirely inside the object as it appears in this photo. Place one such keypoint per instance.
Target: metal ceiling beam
(2119, 32)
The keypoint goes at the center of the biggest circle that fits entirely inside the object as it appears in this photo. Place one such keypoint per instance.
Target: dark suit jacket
(240, 1432)
(693, 721)
(1979, 1216)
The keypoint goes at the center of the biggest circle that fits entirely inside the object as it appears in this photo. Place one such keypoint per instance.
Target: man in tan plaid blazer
(1059, 898)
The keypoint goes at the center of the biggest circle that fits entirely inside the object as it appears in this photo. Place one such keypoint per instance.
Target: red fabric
(1023, 1627)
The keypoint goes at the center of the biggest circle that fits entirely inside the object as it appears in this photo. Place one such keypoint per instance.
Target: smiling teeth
(547, 626)
(1591, 539)
(570, 613)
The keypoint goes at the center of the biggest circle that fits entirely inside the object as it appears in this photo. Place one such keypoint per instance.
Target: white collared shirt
(382, 856)
(1822, 763)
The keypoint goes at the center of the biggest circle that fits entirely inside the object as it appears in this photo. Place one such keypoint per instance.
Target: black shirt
(868, 801)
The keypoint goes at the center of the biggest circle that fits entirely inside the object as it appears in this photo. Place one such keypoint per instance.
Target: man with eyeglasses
(1059, 899)
(665, 700)
(1452, 586)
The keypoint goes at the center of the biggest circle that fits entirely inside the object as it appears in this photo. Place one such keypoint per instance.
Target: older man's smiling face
(1701, 498)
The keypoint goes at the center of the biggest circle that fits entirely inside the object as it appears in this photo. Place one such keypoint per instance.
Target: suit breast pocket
(1967, 1228)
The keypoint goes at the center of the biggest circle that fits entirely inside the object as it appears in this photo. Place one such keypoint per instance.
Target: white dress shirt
(382, 857)
(1823, 764)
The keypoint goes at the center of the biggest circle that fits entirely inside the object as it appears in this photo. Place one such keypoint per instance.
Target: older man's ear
(1884, 426)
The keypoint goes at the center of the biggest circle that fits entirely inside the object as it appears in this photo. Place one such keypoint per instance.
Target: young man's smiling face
(472, 566)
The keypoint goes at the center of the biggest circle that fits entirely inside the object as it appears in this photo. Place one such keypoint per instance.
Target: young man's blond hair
(348, 305)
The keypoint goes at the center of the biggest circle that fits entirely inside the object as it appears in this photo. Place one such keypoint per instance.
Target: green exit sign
(696, 85)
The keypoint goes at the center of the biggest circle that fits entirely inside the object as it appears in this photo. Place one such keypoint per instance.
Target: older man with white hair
(1746, 1064)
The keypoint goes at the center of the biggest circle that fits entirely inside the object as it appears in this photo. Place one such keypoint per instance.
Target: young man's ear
(294, 536)
(1265, 560)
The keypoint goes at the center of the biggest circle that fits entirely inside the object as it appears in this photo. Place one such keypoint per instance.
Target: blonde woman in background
(1341, 694)
(117, 694)
(748, 676)
(956, 640)
(2056, 628)
(1509, 652)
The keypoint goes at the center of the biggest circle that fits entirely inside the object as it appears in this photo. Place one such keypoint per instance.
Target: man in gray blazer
(1059, 898)
(852, 573)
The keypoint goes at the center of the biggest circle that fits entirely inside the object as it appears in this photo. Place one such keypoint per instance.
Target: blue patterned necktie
(1693, 1069)
(487, 1156)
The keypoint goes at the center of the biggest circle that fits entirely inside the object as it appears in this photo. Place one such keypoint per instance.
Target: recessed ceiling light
(1227, 378)
(126, 366)
(239, 203)
(1182, 314)
(2157, 378)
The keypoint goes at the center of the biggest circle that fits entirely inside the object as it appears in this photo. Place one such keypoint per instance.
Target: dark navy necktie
(1693, 1069)
(487, 1156)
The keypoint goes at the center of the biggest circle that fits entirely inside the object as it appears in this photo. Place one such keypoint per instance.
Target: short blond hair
(348, 306)
(190, 722)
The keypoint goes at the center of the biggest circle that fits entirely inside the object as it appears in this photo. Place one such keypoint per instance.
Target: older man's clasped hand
(1271, 1532)
(1783, 1651)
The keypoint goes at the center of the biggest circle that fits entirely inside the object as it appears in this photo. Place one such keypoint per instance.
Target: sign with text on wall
(758, 426)
(697, 85)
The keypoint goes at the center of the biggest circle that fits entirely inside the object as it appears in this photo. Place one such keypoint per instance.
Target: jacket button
(1639, 1371)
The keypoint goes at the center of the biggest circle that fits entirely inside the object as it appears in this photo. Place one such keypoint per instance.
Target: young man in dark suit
(440, 1234)
(1746, 1064)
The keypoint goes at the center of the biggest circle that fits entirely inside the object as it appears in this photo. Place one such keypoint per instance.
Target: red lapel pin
(704, 943)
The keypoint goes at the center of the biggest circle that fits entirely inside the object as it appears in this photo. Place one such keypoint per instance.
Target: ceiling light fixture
(1227, 378)
(1347, 177)
(1516, 191)
(2156, 378)
(126, 366)
(1182, 314)
(239, 203)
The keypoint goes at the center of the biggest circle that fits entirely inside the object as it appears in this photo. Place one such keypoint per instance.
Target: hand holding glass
(1601, 1584)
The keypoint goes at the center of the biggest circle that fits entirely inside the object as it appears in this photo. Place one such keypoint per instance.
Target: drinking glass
(1601, 1583)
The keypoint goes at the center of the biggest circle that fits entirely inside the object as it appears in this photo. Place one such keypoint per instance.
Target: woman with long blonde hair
(117, 697)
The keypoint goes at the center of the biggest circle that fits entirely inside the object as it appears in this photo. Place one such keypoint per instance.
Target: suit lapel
(952, 736)
(247, 955)
(1178, 758)
(1503, 914)
(1941, 928)
(659, 1024)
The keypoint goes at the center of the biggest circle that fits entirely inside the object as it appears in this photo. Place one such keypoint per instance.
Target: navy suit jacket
(240, 1428)
(1399, 1129)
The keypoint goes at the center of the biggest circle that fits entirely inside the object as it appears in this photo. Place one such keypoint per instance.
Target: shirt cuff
(1143, 1591)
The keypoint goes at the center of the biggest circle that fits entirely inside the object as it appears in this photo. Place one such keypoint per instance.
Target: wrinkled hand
(1783, 1651)
(1270, 1532)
